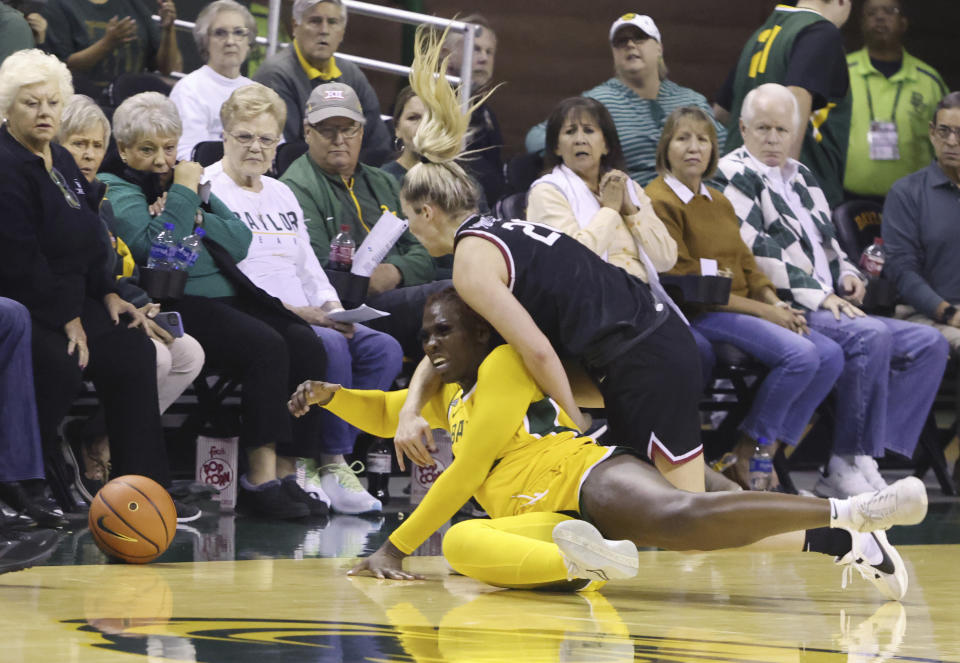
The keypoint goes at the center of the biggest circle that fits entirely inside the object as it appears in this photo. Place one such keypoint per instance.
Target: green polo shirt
(915, 90)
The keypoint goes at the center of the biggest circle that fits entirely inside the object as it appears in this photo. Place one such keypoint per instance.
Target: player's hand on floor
(386, 563)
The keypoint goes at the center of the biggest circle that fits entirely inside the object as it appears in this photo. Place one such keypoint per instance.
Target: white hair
(768, 92)
(201, 29)
(82, 114)
(300, 8)
(29, 67)
(145, 114)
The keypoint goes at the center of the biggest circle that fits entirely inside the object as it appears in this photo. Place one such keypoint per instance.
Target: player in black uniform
(550, 297)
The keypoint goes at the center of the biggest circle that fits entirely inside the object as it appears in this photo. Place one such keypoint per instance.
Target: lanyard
(896, 101)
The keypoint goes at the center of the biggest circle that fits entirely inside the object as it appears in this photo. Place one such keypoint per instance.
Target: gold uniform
(514, 449)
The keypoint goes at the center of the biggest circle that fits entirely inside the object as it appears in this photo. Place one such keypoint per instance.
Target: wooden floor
(279, 593)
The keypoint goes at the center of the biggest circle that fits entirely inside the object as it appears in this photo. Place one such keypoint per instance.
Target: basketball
(133, 519)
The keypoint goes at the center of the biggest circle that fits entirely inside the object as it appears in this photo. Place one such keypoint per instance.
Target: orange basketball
(133, 519)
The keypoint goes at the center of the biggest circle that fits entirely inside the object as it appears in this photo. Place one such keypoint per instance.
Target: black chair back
(287, 153)
(858, 224)
(127, 85)
(522, 170)
(513, 206)
(207, 152)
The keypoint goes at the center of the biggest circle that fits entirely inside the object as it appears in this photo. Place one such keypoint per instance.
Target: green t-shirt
(907, 98)
(77, 24)
(15, 33)
(776, 54)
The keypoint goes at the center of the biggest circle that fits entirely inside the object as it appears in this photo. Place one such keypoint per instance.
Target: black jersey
(588, 308)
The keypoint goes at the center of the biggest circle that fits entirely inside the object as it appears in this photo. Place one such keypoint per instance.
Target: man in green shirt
(894, 95)
(19, 31)
(334, 189)
(801, 48)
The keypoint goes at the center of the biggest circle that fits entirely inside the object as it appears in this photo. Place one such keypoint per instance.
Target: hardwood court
(727, 606)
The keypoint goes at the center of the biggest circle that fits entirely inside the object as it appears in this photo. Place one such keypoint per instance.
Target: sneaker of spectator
(842, 478)
(269, 500)
(868, 467)
(316, 505)
(21, 549)
(186, 513)
(347, 495)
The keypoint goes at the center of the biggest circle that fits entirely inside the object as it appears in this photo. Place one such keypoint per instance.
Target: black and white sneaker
(875, 560)
(187, 513)
(293, 490)
(270, 500)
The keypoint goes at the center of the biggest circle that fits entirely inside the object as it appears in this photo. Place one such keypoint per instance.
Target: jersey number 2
(539, 233)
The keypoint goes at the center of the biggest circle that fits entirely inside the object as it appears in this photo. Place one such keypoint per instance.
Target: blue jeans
(803, 370)
(891, 374)
(21, 455)
(708, 359)
(369, 360)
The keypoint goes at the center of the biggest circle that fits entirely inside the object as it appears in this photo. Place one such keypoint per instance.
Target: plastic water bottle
(341, 250)
(162, 249)
(872, 258)
(379, 466)
(761, 466)
(189, 250)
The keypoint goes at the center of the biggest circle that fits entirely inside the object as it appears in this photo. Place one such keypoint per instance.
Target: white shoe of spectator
(870, 471)
(308, 478)
(842, 479)
(347, 495)
(588, 555)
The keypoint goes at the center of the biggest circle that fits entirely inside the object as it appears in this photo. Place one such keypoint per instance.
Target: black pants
(123, 368)
(652, 393)
(271, 354)
(405, 306)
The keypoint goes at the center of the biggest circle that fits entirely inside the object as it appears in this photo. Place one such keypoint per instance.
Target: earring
(398, 145)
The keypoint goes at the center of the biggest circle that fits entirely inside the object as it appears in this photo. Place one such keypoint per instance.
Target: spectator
(335, 189)
(318, 29)
(281, 262)
(102, 39)
(803, 364)
(21, 453)
(407, 113)
(244, 332)
(892, 368)
(485, 139)
(639, 97)
(224, 32)
(20, 30)
(800, 47)
(52, 261)
(919, 233)
(586, 194)
(85, 133)
(894, 95)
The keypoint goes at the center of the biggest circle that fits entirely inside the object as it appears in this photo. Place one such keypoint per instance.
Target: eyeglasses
(944, 131)
(223, 33)
(330, 133)
(61, 183)
(886, 11)
(623, 42)
(247, 139)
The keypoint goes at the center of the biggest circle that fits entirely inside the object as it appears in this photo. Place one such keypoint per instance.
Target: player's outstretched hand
(311, 392)
(387, 562)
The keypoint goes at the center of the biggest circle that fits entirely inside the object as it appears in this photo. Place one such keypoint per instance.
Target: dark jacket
(51, 256)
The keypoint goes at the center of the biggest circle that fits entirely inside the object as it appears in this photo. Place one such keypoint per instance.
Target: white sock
(840, 513)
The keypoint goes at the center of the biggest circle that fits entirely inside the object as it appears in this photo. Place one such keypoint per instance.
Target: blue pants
(802, 371)
(21, 455)
(891, 374)
(369, 360)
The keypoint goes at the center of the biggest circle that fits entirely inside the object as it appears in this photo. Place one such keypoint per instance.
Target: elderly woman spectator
(85, 132)
(102, 39)
(892, 368)
(225, 30)
(243, 331)
(586, 194)
(281, 262)
(803, 365)
(639, 96)
(53, 262)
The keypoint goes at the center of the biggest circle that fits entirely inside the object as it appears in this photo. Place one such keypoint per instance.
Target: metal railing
(465, 79)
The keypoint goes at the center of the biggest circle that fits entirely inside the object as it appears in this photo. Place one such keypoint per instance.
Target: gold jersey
(514, 449)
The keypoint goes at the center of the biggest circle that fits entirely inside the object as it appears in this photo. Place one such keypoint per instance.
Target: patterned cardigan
(767, 225)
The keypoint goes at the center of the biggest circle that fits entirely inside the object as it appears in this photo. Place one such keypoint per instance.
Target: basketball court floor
(237, 590)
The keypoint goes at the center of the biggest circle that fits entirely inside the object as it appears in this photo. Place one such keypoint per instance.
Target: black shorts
(651, 394)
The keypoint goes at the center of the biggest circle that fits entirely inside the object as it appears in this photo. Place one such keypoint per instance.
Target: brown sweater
(708, 228)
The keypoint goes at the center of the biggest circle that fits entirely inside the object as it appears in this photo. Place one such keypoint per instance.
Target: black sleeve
(724, 96)
(818, 63)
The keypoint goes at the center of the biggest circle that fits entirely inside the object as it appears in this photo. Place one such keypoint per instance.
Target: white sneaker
(903, 502)
(841, 480)
(588, 555)
(870, 471)
(347, 495)
(888, 574)
(308, 478)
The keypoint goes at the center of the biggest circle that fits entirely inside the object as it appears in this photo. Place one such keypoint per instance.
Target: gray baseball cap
(333, 100)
